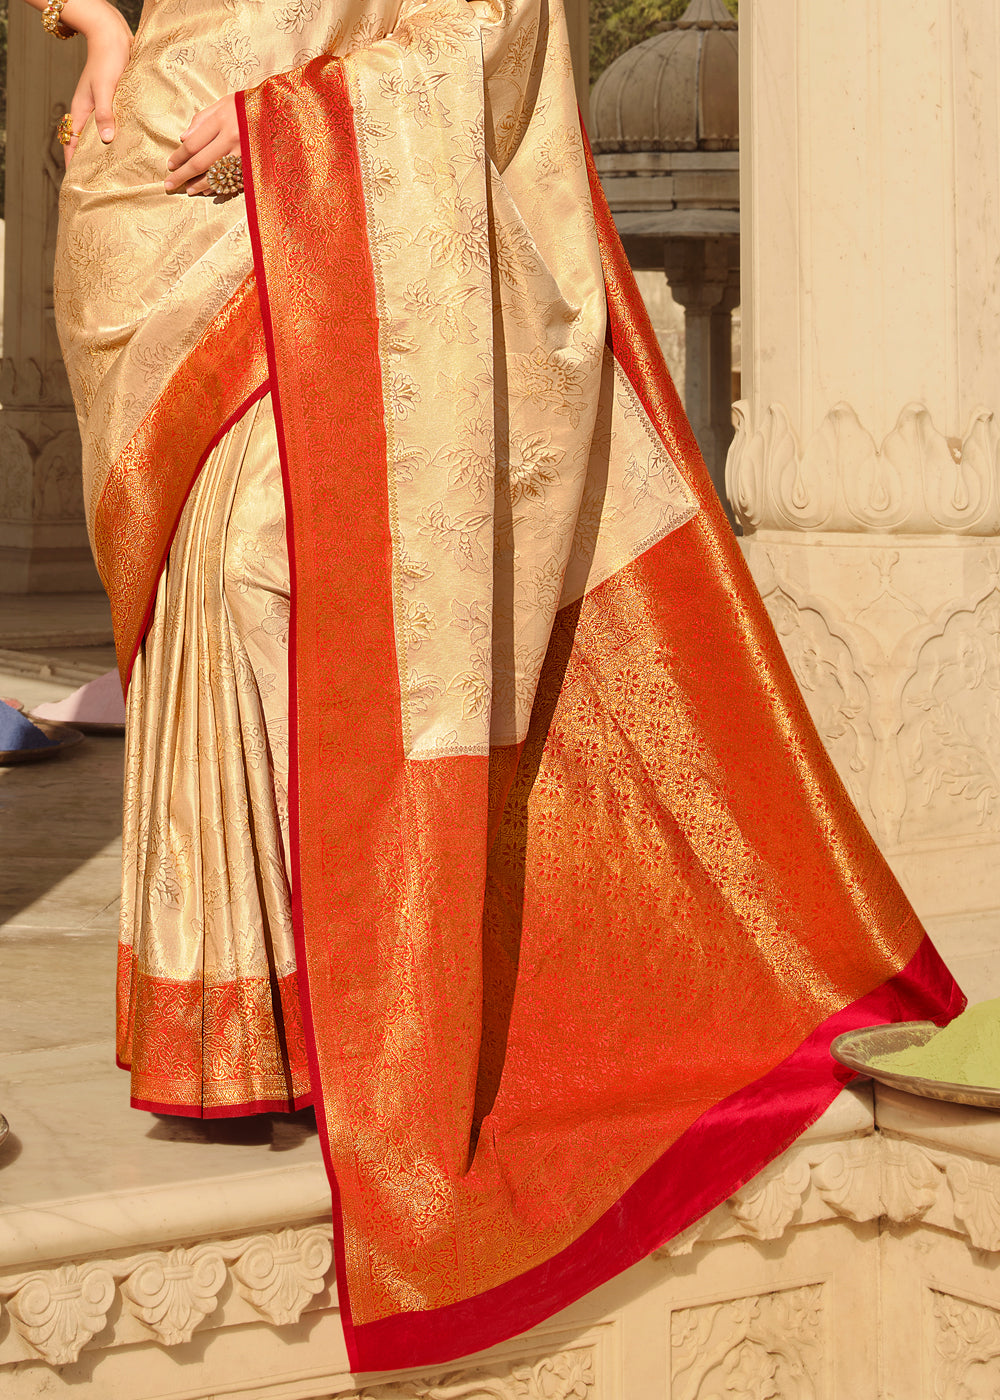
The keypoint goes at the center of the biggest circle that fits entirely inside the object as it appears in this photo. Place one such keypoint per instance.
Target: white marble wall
(866, 466)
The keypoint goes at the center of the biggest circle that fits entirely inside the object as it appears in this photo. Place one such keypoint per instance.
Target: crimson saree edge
(302, 967)
(238, 1110)
(640, 1222)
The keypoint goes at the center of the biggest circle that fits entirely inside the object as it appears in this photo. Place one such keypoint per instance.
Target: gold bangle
(53, 23)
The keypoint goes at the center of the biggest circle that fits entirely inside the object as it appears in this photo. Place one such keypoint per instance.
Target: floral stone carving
(874, 1177)
(753, 1348)
(172, 1293)
(850, 1179)
(975, 1191)
(833, 684)
(280, 1273)
(900, 678)
(568, 1375)
(910, 1181)
(768, 1204)
(948, 737)
(967, 1343)
(58, 1311)
(917, 482)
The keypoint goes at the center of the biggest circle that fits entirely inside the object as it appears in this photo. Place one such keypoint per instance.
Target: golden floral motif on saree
(489, 500)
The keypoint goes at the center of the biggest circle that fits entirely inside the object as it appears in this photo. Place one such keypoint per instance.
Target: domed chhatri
(677, 91)
(664, 126)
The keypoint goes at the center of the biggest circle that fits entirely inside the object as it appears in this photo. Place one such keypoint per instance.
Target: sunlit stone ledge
(801, 1282)
(84, 1225)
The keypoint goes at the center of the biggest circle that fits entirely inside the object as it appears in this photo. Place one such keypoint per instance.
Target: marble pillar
(866, 465)
(43, 539)
(704, 277)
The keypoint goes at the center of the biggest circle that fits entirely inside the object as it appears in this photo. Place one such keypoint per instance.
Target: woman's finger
(198, 163)
(203, 129)
(204, 118)
(201, 186)
(104, 115)
(215, 123)
(188, 151)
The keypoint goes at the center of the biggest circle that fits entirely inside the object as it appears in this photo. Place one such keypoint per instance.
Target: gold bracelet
(53, 23)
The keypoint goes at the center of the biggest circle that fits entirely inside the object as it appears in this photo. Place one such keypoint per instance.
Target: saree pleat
(209, 1019)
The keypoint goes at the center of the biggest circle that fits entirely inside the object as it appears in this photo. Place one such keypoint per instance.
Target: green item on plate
(966, 1052)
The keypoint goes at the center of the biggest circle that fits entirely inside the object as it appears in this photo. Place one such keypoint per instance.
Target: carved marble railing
(872, 1178)
(802, 1286)
(163, 1295)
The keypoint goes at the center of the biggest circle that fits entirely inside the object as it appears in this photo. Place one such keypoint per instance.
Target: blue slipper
(18, 732)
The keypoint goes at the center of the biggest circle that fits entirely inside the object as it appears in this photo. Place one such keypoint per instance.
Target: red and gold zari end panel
(142, 499)
(726, 596)
(257, 1063)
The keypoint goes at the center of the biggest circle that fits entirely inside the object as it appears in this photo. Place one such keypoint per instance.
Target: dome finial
(704, 14)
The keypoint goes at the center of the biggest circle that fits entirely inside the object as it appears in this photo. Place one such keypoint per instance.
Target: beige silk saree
(470, 797)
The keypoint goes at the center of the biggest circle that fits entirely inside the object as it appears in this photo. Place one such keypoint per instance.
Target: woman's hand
(214, 133)
(109, 43)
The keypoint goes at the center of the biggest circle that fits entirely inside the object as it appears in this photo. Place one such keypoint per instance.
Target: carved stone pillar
(43, 539)
(866, 464)
(704, 277)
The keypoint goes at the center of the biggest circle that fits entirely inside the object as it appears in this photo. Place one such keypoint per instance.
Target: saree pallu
(577, 900)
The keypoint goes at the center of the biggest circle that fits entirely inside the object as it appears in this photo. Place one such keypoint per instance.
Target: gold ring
(65, 131)
(225, 176)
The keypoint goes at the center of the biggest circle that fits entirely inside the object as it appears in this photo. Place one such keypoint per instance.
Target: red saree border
(351, 251)
(165, 1024)
(681, 1187)
(352, 792)
(150, 480)
(239, 1110)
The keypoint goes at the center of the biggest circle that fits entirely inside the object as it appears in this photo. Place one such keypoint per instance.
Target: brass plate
(857, 1050)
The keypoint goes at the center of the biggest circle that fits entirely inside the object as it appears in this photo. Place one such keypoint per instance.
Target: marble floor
(62, 619)
(72, 1132)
